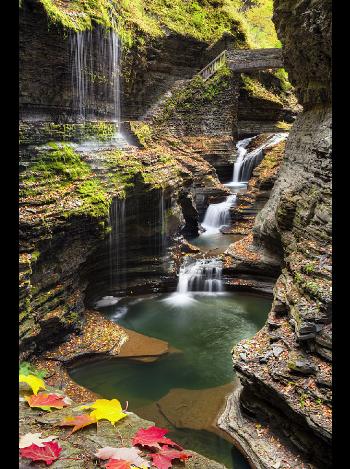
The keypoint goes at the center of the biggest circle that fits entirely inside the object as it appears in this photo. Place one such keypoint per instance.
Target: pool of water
(216, 242)
(203, 332)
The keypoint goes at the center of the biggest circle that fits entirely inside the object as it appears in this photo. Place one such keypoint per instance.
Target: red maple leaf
(45, 401)
(152, 437)
(48, 453)
(163, 459)
(117, 464)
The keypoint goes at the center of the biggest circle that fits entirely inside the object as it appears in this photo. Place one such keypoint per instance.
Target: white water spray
(218, 215)
(197, 276)
(247, 161)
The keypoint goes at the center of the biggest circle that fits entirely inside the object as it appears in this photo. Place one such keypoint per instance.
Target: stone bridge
(245, 60)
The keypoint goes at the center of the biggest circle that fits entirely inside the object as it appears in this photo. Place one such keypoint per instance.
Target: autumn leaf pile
(151, 448)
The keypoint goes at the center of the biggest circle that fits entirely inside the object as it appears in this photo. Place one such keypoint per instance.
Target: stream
(185, 389)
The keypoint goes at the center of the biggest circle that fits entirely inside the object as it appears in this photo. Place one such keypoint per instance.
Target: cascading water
(95, 57)
(116, 247)
(197, 276)
(241, 152)
(218, 215)
(253, 158)
(247, 161)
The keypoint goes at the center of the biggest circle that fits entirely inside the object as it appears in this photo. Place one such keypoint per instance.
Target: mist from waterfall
(95, 65)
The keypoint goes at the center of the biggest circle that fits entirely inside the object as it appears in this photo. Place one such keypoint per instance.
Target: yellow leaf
(34, 382)
(107, 409)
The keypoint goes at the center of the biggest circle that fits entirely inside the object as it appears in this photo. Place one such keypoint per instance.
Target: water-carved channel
(184, 389)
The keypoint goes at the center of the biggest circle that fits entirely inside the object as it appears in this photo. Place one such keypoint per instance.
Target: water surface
(203, 331)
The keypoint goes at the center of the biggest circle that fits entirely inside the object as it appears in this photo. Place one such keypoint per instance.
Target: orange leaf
(118, 464)
(46, 401)
(78, 422)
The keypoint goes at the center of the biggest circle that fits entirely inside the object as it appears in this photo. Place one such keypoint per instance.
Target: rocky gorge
(124, 147)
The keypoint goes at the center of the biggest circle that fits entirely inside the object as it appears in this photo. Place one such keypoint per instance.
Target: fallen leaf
(163, 459)
(34, 382)
(152, 437)
(78, 422)
(118, 464)
(129, 454)
(48, 453)
(106, 410)
(34, 438)
(46, 401)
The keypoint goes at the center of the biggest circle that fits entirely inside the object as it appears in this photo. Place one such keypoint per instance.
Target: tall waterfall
(95, 57)
(218, 215)
(117, 240)
(197, 276)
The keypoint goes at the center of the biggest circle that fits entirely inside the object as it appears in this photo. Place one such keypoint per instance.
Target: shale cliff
(184, 129)
(285, 369)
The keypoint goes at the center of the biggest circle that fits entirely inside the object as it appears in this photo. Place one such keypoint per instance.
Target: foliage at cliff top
(205, 20)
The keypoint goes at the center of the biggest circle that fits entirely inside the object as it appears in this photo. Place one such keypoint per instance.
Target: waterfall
(247, 161)
(241, 152)
(197, 276)
(218, 215)
(117, 241)
(95, 58)
(201, 275)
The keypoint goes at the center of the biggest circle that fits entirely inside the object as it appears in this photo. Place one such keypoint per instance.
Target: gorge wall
(285, 369)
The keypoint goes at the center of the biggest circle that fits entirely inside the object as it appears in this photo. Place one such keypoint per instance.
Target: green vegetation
(26, 368)
(142, 131)
(282, 75)
(61, 161)
(95, 200)
(257, 90)
(283, 125)
(59, 174)
(205, 20)
(260, 28)
(195, 94)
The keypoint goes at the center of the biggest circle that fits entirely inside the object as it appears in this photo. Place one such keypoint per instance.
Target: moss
(71, 318)
(282, 75)
(142, 131)
(95, 200)
(61, 161)
(35, 256)
(79, 15)
(283, 125)
(309, 268)
(195, 94)
(205, 20)
(257, 90)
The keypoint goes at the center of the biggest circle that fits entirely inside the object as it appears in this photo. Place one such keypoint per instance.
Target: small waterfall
(201, 275)
(253, 158)
(95, 58)
(241, 152)
(197, 276)
(218, 215)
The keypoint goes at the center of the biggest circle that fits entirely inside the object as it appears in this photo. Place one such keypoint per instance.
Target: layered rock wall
(286, 368)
